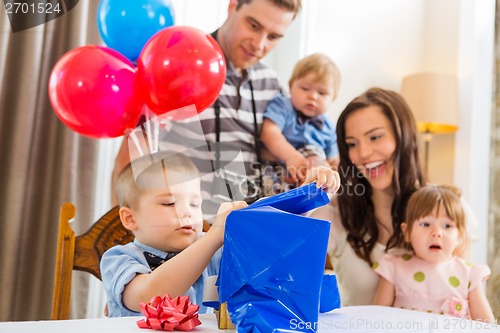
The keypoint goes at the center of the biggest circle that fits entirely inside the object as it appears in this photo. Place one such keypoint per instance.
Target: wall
(206, 15)
(475, 71)
(370, 44)
(494, 225)
(441, 55)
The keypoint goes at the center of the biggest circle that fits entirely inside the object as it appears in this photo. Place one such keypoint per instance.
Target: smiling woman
(376, 135)
(371, 144)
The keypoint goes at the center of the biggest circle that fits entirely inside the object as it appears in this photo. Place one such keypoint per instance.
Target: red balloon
(92, 91)
(178, 67)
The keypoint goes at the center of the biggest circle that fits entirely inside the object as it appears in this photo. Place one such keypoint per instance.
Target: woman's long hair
(355, 204)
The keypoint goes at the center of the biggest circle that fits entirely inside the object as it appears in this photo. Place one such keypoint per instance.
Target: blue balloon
(126, 25)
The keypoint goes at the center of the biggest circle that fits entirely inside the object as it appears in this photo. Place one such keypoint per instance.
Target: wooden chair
(328, 263)
(82, 253)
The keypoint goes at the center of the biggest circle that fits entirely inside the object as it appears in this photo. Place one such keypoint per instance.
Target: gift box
(223, 320)
(273, 263)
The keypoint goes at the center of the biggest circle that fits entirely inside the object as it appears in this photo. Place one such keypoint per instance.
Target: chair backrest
(82, 252)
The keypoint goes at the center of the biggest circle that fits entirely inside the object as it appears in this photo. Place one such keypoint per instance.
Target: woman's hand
(324, 177)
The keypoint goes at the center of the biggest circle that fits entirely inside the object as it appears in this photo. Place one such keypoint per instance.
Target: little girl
(430, 277)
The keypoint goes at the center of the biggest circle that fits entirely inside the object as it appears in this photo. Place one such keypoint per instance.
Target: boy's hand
(220, 219)
(325, 178)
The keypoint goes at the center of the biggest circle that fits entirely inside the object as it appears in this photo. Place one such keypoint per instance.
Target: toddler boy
(160, 202)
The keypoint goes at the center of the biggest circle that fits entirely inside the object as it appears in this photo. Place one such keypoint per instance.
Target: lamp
(433, 98)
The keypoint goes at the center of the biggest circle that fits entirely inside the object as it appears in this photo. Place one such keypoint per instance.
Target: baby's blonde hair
(320, 65)
(425, 199)
(149, 172)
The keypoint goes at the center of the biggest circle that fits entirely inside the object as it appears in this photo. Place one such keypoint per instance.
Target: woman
(379, 170)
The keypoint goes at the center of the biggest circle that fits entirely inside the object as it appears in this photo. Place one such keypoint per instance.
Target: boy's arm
(178, 274)
(384, 294)
(277, 144)
(479, 306)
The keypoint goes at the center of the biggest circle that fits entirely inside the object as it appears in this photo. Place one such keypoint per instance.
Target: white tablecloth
(348, 319)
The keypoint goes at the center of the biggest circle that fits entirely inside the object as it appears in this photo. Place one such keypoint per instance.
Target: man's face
(252, 31)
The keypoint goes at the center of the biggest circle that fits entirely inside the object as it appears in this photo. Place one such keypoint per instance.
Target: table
(347, 319)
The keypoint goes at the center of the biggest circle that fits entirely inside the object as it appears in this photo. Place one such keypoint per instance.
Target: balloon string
(156, 124)
(135, 140)
(149, 132)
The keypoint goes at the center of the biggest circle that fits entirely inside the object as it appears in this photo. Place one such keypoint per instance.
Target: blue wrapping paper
(330, 296)
(273, 263)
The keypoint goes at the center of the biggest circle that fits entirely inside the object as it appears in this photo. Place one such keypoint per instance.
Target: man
(231, 126)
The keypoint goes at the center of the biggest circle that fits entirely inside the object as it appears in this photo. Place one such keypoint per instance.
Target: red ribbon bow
(167, 314)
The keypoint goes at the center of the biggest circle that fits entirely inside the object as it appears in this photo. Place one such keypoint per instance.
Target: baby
(295, 131)
(431, 277)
